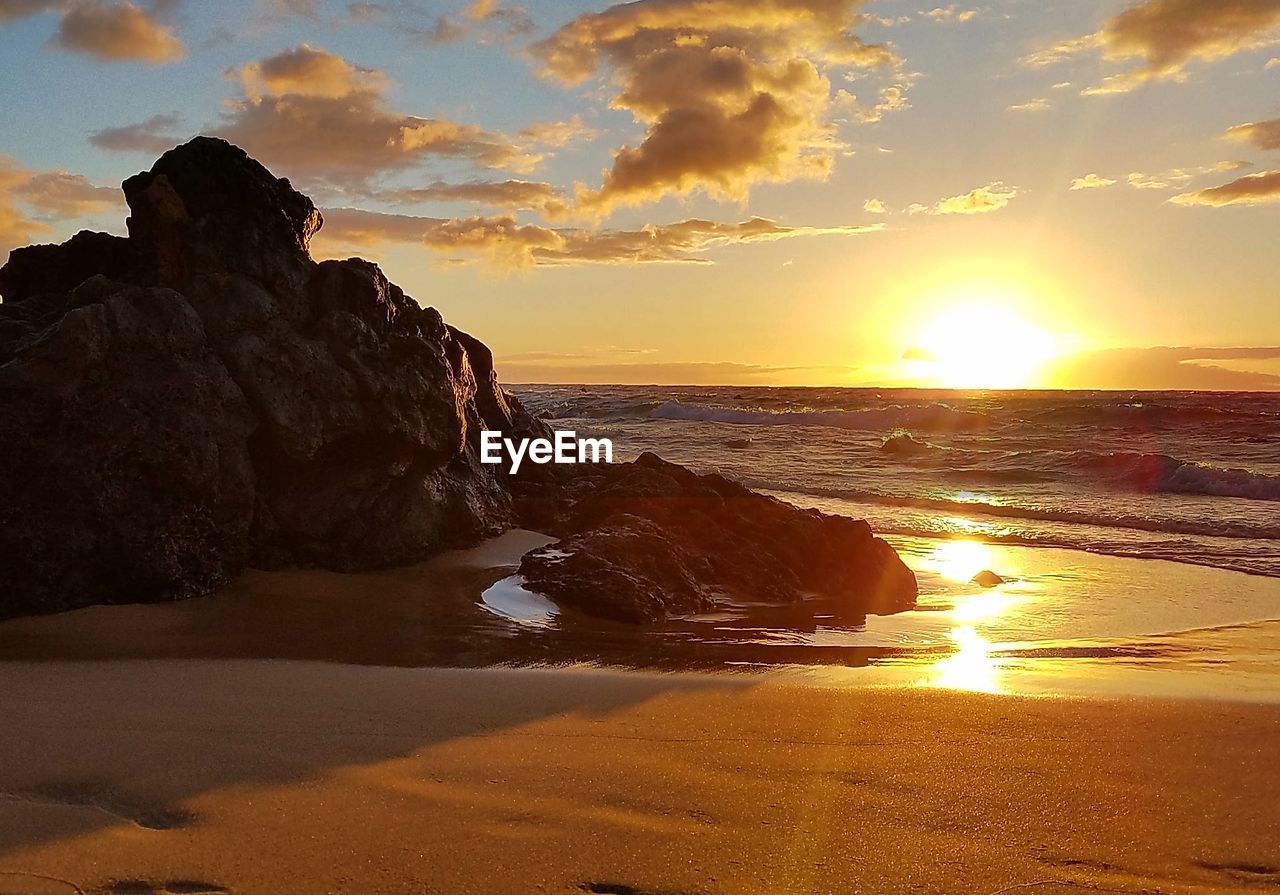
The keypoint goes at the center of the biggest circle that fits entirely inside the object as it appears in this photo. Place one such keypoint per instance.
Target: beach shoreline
(291, 777)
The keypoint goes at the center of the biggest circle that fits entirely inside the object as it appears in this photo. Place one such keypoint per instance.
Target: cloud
(1165, 36)
(15, 227)
(554, 370)
(29, 199)
(1262, 134)
(1252, 189)
(316, 116)
(952, 13)
(306, 9)
(487, 20)
(11, 10)
(153, 136)
(874, 206)
(117, 32)
(444, 31)
(306, 71)
(514, 245)
(61, 195)
(731, 93)
(1177, 178)
(1039, 104)
(366, 12)
(892, 98)
(1091, 182)
(1164, 368)
(558, 134)
(515, 195)
(985, 199)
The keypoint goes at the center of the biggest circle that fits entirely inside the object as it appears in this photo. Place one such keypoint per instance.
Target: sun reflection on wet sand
(959, 560)
(973, 666)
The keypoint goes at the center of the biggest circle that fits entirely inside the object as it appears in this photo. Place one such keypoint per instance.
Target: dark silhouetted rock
(987, 578)
(650, 538)
(203, 396)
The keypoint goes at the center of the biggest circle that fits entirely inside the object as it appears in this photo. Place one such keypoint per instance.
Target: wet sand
(1064, 623)
(291, 777)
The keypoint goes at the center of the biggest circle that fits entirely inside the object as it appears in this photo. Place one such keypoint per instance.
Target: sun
(981, 345)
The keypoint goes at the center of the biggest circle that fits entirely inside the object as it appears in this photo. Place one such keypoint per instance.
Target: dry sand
(292, 777)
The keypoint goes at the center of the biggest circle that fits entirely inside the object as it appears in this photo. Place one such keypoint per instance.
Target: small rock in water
(987, 578)
(738, 443)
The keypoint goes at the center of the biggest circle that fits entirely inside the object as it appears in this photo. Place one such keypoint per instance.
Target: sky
(815, 192)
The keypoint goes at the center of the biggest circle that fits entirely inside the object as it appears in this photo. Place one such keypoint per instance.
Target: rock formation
(203, 396)
(646, 539)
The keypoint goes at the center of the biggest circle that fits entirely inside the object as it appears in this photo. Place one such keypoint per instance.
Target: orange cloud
(1262, 134)
(28, 199)
(516, 245)
(1165, 36)
(117, 32)
(59, 194)
(731, 92)
(1252, 189)
(305, 71)
(317, 116)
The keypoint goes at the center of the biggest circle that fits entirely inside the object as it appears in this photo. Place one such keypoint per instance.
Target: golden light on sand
(971, 667)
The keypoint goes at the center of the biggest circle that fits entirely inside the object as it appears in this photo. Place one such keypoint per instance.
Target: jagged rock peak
(207, 207)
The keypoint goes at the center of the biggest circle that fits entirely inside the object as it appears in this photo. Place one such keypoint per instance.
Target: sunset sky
(1073, 193)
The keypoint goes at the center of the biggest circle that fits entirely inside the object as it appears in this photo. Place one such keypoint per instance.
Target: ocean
(1138, 534)
(1189, 477)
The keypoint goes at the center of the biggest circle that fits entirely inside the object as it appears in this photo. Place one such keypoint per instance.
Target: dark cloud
(516, 195)
(1262, 134)
(153, 136)
(1165, 368)
(1252, 189)
(666, 373)
(11, 10)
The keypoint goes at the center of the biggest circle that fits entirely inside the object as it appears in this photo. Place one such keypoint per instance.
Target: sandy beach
(287, 777)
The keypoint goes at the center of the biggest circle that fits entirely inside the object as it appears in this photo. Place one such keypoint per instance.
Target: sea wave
(933, 417)
(1161, 472)
(1224, 528)
(1134, 471)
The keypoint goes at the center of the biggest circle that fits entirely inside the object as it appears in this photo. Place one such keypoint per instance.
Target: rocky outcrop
(203, 396)
(648, 539)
